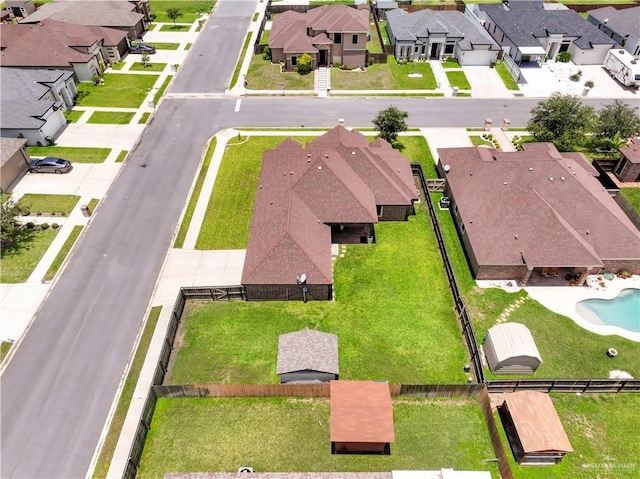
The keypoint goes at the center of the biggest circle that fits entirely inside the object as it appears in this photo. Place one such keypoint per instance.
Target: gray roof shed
(307, 349)
(510, 349)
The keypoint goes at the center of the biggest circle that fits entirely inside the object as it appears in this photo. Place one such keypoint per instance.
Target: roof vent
(505, 183)
(308, 155)
(551, 178)
(587, 231)
(291, 173)
(353, 153)
(531, 168)
(319, 167)
(516, 237)
(562, 178)
(326, 156)
(446, 168)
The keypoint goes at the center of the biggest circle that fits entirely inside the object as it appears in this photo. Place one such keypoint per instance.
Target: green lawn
(412, 335)
(188, 46)
(121, 156)
(563, 344)
(389, 76)
(111, 117)
(632, 195)
(119, 91)
(147, 67)
(190, 10)
(457, 78)
(221, 434)
(93, 204)
(62, 254)
(193, 200)
(602, 429)
(71, 153)
(118, 66)
(158, 96)
(374, 45)
(111, 439)
(18, 267)
(236, 72)
(477, 140)
(164, 46)
(450, 62)
(383, 30)
(263, 75)
(49, 204)
(5, 347)
(178, 27)
(72, 116)
(506, 77)
(228, 217)
(144, 118)
(264, 39)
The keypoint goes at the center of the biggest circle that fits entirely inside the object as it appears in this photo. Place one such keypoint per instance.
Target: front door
(323, 58)
(434, 50)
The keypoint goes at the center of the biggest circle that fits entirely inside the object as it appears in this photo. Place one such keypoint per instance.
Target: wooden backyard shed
(307, 355)
(510, 349)
(533, 429)
(361, 417)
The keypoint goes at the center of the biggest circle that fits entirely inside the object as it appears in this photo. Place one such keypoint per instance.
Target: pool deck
(563, 300)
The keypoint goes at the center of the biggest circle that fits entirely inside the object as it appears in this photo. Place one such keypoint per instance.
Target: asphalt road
(59, 386)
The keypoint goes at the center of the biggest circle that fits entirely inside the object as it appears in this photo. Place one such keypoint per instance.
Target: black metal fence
(461, 310)
(565, 385)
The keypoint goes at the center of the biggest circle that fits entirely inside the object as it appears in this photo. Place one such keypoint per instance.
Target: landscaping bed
(204, 434)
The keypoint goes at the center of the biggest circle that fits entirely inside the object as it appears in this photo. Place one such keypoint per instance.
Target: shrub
(96, 79)
(304, 63)
(55, 226)
(564, 57)
(266, 53)
(44, 226)
(30, 225)
(575, 76)
(588, 84)
(336, 65)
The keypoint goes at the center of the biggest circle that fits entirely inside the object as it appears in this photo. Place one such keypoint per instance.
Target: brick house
(330, 34)
(536, 215)
(332, 191)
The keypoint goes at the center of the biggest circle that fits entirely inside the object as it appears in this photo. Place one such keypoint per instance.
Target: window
(354, 39)
(455, 210)
(448, 48)
(462, 230)
(379, 209)
(337, 38)
(416, 49)
(294, 61)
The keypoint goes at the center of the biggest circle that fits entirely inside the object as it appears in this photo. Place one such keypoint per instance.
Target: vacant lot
(190, 10)
(119, 91)
(221, 434)
(389, 76)
(602, 429)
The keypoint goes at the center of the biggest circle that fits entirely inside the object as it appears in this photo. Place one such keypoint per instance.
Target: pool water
(622, 311)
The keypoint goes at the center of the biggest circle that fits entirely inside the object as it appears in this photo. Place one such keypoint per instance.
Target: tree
(562, 120)
(173, 14)
(303, 65)
(617, 118)
(266, 53)
(14, 235)
(390, 122)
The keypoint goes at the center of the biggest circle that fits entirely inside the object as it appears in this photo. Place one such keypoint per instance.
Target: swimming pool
(623, 311)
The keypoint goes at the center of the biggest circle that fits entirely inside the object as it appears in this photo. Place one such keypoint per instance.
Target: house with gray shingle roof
(331, 191)
(623, 26)
(14, 161)
(96, 13)
(535, 31)
(307, 356)
(33, 102)
(60, 45)
(330, 34)
(20, 8)
(430, 34)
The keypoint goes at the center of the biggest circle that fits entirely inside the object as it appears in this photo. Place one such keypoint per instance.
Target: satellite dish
(446, 168)
(303, 278)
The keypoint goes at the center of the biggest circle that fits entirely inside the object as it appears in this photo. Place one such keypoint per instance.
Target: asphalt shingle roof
(92, 13)
(624, 22)
(526, 21)
(423, 23)
(307, 350)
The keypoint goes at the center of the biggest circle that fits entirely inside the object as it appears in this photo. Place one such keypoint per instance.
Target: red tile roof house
(331, 191)
(330, 34)
(361, 417)
(53, 44)
(535, 215)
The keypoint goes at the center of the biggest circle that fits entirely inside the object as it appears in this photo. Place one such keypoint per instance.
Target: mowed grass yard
(190, 10)
(264, 75)
(16, 268)
(602, 429)
(286, 434)
(120, 90)
(632, 195)
(389, 76)
(567, 350)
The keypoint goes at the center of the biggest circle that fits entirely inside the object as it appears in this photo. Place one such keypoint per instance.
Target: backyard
(120, 90)
(223, 434)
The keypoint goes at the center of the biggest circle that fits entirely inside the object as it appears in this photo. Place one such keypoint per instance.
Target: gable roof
(51, 43)
(337, 179)
(29, 84)
(539, 206)
(512, 340)
(537, 423)
(526, 21)
(24, 114)
(91, 13)
(307, 349)
(9, 147)
(361, 411)
(632, 151)
(423, 23)
(338, 18)
(624, 22)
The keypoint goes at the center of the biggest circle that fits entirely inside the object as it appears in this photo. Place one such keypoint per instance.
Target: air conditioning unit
(245, 469)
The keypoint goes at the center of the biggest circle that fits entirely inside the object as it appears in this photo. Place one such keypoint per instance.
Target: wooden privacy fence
(565, 385)
(461, 310)
(498, 448)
